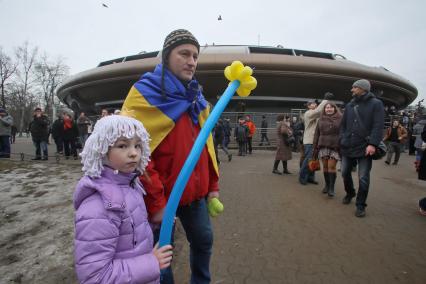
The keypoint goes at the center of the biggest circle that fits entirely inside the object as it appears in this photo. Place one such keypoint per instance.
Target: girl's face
(329, 109)
(125, 154)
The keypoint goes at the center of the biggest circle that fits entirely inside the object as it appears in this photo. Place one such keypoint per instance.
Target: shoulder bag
(381, 149)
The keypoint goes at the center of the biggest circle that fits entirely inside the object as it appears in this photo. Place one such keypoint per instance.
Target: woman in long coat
(283, 154)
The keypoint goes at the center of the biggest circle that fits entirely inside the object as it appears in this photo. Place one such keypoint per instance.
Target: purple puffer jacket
(113, 239)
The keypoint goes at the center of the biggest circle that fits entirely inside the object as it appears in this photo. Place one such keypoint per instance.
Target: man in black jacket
(39, 128)
(359, 139)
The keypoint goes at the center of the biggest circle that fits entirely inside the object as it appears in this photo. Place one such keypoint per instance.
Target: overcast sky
(384, 33)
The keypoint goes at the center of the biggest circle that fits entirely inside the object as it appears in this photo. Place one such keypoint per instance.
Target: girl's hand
(163, 255)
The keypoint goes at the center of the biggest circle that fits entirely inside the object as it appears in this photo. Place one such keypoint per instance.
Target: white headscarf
(107, 131)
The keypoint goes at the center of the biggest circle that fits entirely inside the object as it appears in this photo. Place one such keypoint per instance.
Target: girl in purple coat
(113, 239)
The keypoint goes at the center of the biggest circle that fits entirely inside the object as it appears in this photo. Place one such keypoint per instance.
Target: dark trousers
(263, 137)
(224, 148)
(242, 148)
(364, 168)
(5, 146)
(59, 142)
(249, 148)
(70, 144)
(196, 223)
(394, 147)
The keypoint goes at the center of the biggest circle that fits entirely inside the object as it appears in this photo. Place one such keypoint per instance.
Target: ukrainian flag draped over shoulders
(159, 114)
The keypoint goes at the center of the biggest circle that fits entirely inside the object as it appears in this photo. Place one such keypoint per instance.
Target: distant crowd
(69, 134)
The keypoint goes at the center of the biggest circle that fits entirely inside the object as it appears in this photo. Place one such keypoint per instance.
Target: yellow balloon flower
(237, 71)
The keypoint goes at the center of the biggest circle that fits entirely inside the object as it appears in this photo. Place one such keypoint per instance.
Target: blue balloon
(191, 161)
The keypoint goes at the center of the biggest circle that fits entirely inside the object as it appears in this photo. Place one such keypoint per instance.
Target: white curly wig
(106, 132)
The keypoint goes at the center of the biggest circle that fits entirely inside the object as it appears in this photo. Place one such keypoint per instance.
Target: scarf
(67, 123)
(179, 98)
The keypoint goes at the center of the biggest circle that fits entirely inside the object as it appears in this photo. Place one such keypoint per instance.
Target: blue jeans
(196, 223)
(305, 174)
(4, 146)
(40, 145)
(364, 168)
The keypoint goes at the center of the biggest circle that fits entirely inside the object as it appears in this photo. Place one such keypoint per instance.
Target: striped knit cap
(176, 38)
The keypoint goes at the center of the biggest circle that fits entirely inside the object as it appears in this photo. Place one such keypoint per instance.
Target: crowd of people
(69, 134)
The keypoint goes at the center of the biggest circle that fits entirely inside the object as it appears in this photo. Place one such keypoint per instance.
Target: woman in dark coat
(58, 134)
(70, 136)
(283, 146)
(326, 144)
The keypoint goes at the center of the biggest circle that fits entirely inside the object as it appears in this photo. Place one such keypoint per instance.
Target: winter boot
(332, 181)
(275, 170)
(327, 182)
(285, 171)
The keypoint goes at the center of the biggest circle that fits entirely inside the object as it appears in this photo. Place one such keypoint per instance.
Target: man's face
(104, 112)
(312, 106)
(357, 91)
(37, 113)
(183, 61)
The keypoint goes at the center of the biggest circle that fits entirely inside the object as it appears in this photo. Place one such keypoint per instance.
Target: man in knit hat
(6, 122)
(360, 134)
(170, 104)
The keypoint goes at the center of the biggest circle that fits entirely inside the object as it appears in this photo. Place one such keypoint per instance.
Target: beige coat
(283, 151)
(310, 119)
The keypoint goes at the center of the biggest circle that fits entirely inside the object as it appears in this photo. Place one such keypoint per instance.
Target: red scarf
(67, 123)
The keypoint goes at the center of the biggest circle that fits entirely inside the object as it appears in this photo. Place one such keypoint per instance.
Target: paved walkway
(273, 230)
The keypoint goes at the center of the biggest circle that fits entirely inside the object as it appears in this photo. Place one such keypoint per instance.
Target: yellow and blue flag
(159, 113)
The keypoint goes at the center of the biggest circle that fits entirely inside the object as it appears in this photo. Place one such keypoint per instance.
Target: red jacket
(165, 165)
(251, 127)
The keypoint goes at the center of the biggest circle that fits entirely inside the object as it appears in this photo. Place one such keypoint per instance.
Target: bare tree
(49, 75)
(7, 69)
(26, 60)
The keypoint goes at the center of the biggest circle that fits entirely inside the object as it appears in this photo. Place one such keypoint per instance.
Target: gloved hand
(328, 96)
(215, 207)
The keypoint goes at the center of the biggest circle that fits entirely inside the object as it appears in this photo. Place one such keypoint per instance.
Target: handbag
(314, 165)
(381, 149)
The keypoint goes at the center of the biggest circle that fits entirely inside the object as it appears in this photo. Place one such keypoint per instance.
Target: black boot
(327, 182)
(332, 181)
(275, 170)
(285, 168)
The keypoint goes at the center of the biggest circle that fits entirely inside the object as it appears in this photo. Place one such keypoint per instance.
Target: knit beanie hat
(362, 84)
(176, 38)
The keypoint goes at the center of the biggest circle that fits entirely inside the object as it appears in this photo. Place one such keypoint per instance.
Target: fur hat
(362, 84)
(106, 132)
(176, 38)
